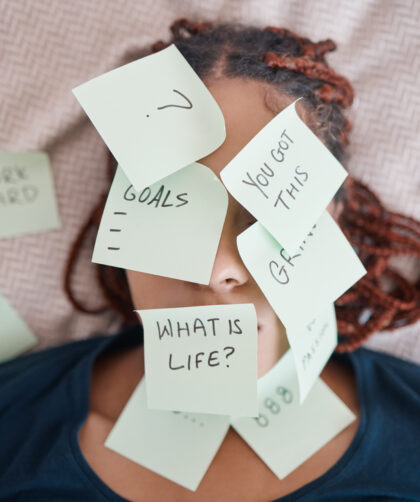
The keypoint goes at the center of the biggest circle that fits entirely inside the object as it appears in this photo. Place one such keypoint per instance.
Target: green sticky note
(301, 285)
(312, 346)
(301, 288)
(155, 115)
(27, 196)
(15, 336)
(285, 176)
(171, 228)
(202, 359)
(285, 433)
(178, 446)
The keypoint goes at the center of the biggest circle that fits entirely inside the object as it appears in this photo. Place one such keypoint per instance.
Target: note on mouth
(202, 359)
(155, 114)
(163, 229)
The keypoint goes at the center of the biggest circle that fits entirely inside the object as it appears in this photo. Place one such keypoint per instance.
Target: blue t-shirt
(44, 399)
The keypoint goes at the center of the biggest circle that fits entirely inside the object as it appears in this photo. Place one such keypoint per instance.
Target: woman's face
(247, 108)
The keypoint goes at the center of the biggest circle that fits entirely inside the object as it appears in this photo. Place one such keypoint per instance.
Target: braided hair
(295, 66)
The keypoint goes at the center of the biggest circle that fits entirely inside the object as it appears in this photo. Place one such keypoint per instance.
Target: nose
(228, 272)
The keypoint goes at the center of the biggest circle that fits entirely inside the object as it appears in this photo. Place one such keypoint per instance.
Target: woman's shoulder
(44, 397)
(24, 374)
(380, 365)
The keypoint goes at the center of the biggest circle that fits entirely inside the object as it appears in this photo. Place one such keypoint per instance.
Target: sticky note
(311, 348)
(171, 228)
(155, 115)
(285, 177)
(15, 335)
(27, 197)
(285, 434)
(202, 359)
(301, 285)
(178, 446)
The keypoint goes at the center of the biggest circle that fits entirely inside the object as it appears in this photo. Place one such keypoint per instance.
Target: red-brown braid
(336, 88)
(378, 235)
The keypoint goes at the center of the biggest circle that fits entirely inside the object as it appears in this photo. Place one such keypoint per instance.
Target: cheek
(272, 345)
(152, 291)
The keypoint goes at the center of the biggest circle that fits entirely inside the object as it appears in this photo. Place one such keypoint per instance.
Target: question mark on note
(230, 351)
(187, 106)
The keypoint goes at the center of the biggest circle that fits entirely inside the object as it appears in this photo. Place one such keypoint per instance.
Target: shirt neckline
(131, 339)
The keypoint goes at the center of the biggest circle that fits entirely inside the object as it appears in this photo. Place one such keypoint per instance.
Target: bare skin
(236, 473)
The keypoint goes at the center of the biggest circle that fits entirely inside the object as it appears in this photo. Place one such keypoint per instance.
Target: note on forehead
(285, 177)
(15, 335)
(312, 346)
(27, 196)
(285, 434)
(301, 285)
(171, 228)
(202, 359)
(155, 115)
(178, 446)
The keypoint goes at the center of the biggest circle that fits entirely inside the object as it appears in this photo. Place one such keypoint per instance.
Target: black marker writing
(162, 197)
(15, 196)
(118, 213)
(228, 352)
(194, 361)
(238, 328)
(186, 416)
(273, 406)
(253, 183)
(278, 271)
(14, 187)
(188, 328)
(311, 352)
(13, 174)
(188, 106)
(262, 178)
(301, 177)
(198, 326)
(167, 330)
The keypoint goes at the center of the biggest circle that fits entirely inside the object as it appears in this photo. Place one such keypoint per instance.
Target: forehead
(247, 106)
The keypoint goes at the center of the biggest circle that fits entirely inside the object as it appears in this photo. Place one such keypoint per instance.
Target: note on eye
(285, 177)
(155, 115)
(171, 228)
